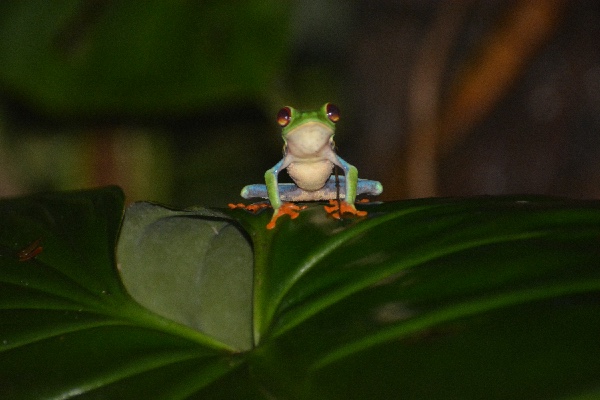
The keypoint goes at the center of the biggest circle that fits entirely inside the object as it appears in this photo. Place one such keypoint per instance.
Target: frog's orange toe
(338, 208)
(290, 209)
(256, 207)
(351, 209)
(332, 207)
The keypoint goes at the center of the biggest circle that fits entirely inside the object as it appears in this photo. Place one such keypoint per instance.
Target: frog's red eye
(333, 112)
(284, 116)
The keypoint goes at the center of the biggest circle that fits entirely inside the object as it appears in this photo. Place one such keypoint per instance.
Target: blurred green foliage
(90, 58)
(166, 99)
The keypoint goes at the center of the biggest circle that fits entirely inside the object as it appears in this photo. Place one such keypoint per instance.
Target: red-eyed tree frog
(309, 156)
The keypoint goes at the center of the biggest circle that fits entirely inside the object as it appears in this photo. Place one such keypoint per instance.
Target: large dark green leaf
(130, 58)
(67, 327)
(480, 298)
(434, 298)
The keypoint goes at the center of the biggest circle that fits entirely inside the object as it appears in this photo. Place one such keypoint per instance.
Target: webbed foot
(290, 209)
(337, 208)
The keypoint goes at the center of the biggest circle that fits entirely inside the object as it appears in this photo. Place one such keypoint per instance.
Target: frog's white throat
(311, 140)
(310, 154)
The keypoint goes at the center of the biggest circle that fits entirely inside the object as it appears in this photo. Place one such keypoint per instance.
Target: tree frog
(309, 156)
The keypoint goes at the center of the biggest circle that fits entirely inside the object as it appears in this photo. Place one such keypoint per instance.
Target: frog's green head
(290, 119)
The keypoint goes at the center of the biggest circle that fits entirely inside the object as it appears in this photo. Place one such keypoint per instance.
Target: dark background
(176, 101)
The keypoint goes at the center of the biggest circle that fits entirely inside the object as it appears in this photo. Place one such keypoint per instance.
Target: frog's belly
(311, 175)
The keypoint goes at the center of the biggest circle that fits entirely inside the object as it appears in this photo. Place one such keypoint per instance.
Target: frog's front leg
(346, 205)
(279, 208)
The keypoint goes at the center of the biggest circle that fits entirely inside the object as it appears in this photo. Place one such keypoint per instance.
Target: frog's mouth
(309, 140)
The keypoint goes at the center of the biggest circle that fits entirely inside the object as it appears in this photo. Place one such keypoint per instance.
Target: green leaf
(193, 267)
(434, 298)
(67, 326)
(494, 297)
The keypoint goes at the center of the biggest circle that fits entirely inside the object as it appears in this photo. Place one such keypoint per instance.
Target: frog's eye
(333, 112)
(284, 116)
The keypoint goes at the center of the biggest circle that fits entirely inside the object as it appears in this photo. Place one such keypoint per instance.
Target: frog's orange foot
(290, 209)
(336, 209)
(332, 207)
(250, 207)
